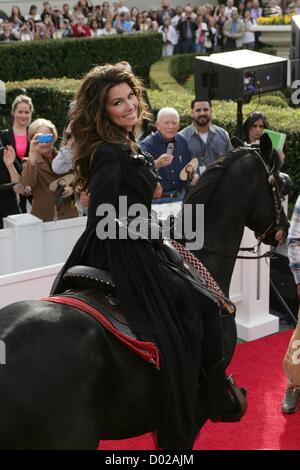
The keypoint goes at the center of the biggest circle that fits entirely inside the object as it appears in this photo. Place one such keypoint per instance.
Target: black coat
(8, 199)
(7, 137)
(147, 290)
(183, 26)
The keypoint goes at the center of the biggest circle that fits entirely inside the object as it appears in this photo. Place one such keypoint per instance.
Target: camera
(45, 138)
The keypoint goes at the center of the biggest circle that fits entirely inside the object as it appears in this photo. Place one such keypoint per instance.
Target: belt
(170, 195)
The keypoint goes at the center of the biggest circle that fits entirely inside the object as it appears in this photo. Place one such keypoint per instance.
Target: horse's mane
(208, 181)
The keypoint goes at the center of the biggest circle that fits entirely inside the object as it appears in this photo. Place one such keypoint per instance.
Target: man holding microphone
(170, 152)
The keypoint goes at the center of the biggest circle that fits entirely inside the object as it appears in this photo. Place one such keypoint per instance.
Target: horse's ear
(236, 142)
(266, 147)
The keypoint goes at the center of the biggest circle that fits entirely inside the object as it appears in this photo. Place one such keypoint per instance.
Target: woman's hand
(195, 179)
(9, 156)
(33, 149)
(281, 157)
(280, 236)
(68, 191)
(19, 188)
(84, 199)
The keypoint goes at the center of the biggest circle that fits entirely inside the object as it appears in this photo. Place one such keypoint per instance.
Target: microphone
(170, 148)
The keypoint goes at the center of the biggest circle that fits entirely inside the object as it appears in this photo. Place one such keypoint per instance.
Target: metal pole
(284, 304)
(239, 119)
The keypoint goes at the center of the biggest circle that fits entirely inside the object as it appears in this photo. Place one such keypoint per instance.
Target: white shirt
(203, 136)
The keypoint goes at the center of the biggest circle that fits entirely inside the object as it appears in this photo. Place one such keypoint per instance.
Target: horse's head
(268, 217)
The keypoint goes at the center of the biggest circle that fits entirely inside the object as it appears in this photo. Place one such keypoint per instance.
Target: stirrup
(239, 396)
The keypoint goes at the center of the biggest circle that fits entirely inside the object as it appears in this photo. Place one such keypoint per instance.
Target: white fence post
(27, 239)
(253, 319)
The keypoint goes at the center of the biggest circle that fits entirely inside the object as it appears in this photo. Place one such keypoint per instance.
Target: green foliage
(271, 100)
(74, 57)
(190, 84)
(161, 79)
(51, 99)
(182, 66)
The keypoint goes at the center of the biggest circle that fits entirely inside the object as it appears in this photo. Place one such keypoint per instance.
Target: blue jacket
(156, 145)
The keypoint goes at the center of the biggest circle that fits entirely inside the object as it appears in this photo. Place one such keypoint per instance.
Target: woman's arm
(9, 156)
(105, 179)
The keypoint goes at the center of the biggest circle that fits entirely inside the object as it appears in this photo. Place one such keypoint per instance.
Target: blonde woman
(16, 136)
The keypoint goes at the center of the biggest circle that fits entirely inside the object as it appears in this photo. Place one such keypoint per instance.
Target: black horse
(233, 191)
(68, 382)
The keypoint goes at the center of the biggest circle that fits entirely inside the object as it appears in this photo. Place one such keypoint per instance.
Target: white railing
(30, 244)
(27, 243)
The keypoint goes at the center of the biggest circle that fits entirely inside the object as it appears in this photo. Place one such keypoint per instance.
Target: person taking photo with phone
(49, 201)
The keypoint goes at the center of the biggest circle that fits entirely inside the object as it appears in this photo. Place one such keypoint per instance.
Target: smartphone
(45, 138)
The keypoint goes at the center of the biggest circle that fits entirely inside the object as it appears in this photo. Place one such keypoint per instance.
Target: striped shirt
(294, 242)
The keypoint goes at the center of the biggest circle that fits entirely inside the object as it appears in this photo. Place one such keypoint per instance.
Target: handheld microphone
(170, 148)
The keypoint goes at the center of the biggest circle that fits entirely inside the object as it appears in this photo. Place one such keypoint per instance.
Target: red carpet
(257, 366)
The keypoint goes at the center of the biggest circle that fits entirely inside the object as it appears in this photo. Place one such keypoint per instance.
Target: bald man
(169, 150)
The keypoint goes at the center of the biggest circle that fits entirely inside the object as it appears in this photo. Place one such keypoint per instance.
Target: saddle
(93, 291)
(171, 254)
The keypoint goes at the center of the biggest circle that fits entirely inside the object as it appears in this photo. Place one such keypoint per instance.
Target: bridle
(276, 198)
(277, 206)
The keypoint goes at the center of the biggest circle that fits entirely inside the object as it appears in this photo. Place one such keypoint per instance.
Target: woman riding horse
(159, 305)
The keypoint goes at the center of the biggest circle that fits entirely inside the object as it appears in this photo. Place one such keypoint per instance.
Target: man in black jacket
(187, 30)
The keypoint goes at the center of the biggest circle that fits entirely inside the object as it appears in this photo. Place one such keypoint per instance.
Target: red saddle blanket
(144, 349)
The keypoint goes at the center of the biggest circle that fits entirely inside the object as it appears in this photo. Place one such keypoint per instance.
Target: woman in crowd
(254, 126)
(16, 17)
(17, 137)
(169, 36)
(95, 28)
(220, 19)
(9, 168)
(33, 14)
(38, 174)
(109, 162)
(249, 36)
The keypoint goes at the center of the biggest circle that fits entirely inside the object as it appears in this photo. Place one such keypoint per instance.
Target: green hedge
(51, 99)
(74, 57)
(160, 77)
(182, 66)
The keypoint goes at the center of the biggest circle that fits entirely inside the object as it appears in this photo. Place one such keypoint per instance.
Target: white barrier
(27, 285)
(27, 243)
(32, 244)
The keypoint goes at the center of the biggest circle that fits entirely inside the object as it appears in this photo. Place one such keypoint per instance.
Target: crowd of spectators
(186, 28)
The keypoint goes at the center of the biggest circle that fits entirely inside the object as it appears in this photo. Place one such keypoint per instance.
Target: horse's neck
(221, 239)
(224, 222)
(225, 246)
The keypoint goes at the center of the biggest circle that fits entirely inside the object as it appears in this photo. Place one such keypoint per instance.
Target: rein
(277, 205)
(267, 254)
(276, 197)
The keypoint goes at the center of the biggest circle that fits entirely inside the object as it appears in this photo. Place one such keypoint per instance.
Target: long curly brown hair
(90, 123)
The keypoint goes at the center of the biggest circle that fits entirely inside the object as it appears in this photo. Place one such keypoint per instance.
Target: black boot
(220, 398)
(237, 406)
